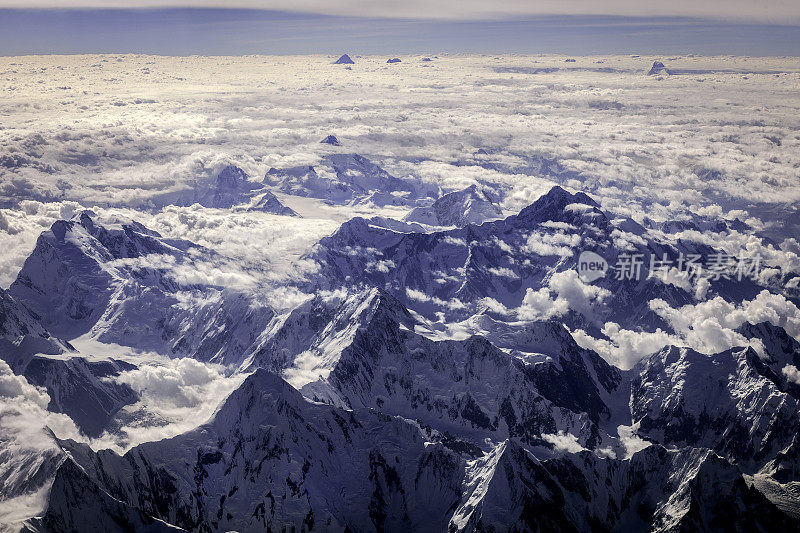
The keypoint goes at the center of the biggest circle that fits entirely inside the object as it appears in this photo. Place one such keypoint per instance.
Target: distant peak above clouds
(776, 11)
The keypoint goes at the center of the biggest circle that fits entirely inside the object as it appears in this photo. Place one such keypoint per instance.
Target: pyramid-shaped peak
(344, 60)
(658, 68)
(259, 389)
(553, 206)
(332, 140)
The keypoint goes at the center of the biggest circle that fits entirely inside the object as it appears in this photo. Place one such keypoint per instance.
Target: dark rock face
(77, 503)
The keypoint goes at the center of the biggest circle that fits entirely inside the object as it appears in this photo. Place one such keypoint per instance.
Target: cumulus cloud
(707, 327)
(563, 442)
(622, 347)
(564, 292)
(17, 387)
(176, 395)
(559, 244)
(23, 412)
(420, 296)
(792, 373)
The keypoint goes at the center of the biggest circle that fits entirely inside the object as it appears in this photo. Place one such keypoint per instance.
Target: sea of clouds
(119, 134)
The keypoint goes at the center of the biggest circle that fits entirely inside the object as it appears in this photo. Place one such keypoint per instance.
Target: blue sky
(184, 31)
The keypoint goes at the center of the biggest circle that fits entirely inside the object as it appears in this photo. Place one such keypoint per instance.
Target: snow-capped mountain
(230, 188)
(329, 345)
(680, 397)
(468, 389)
(77, 503)
(654, 490)
(266, 202)
(349, 179)
(417, 386)
(332, 140)
(124, 284)
(658, 68)
(344, 60)
(451, 272)
(269, 458)
(459, 208)
(781, 353)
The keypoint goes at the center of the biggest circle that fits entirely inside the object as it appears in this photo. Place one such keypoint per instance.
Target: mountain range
(431, 378)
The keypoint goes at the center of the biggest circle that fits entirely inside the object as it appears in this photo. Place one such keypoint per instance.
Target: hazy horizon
(214, 31)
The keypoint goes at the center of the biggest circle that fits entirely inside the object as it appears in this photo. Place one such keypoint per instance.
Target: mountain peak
(231, 177)
(459, 208)
(344, 60)
(267, 202)
(553, 206)
(332, 140)
(658, 68)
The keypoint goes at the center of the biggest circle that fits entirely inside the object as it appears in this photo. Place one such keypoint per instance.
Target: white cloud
(563, 442)
(564, 292)
(624, 348)
(630, 440)
(708, 327)
(539, 305)
(791, 373)
(24, 421)
(17, 387)
(420, 296)
(503, 272)
(559, 244)
(176, 395)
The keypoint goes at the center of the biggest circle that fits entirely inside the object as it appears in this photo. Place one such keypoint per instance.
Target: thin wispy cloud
(775, 11)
